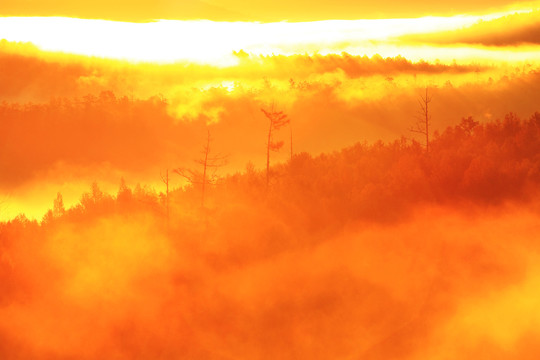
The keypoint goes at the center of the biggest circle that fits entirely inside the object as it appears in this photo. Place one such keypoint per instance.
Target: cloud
(31, 75)
(118, 285)
(510, 30)
(235, 10)
(122, 10)
(103, 120)
(210, 42)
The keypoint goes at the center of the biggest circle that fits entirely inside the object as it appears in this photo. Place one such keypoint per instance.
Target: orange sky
(468, 38)
(222, 72)
(239, 10)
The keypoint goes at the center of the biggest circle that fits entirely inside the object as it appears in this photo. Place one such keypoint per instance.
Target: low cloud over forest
(104, 120)
(309, 265)
(288, 205)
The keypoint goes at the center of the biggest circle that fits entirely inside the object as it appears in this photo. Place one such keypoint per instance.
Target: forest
(269, 180)
(379, 250)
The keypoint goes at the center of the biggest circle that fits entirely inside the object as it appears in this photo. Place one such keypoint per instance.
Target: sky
(237, 10)
(484, 35)
(218, 63)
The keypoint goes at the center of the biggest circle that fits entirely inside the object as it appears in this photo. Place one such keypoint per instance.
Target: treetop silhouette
(277, 120)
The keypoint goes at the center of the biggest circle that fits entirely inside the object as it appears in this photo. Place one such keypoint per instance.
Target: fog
(438, 282)
(160, 211)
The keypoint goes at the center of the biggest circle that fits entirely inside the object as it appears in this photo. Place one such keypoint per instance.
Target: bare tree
(165, 179)
(423, 118)
(210, 164)
(290, 128)
(277, 119)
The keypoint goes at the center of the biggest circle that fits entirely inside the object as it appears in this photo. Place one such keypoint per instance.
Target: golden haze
(150, 209)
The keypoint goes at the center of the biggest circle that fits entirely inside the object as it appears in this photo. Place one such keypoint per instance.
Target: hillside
(376, 251)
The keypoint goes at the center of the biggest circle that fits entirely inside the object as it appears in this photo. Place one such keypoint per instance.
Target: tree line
(471, 162)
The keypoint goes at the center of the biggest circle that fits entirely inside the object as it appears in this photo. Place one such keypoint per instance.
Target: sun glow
(213, 42)
(214, 187)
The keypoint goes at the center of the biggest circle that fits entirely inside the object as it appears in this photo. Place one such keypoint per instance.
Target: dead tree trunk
(268, 154)
(423, 118)
(205, 166)
(290, 128)
(277, 119)
(165, 180)
(210, 164)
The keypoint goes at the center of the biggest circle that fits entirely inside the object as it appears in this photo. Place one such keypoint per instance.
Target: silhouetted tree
(210, 164)
(277, 119)
(47, 218)
(290, 128)
(58, 206)
(97, 193)
(124, 194)
(423, 118)
(165, 180)
(468, 124)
